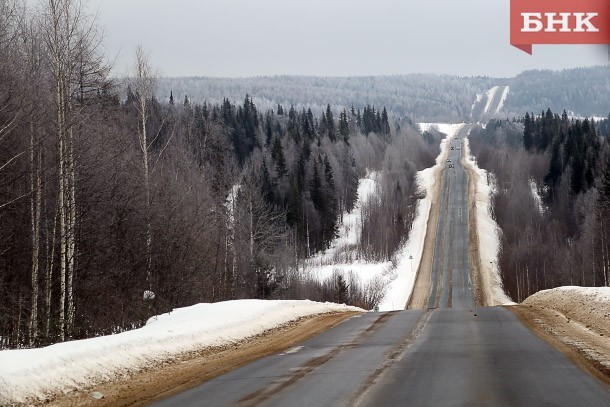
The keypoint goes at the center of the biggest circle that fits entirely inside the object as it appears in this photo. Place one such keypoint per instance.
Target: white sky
(325, 37)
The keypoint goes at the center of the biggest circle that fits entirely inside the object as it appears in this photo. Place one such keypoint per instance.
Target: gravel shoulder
(194, 368)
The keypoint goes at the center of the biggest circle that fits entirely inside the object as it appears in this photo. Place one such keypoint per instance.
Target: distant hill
(422, 97)
(583, 91)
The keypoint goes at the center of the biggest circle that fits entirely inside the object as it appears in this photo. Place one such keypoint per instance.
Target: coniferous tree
(528, 132)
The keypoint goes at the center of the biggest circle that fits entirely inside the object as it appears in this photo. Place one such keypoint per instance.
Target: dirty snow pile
(488, 232)
(589, 306)
(397, 276)
(29, 374)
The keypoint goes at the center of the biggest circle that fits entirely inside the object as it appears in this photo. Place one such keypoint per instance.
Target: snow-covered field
(29, 374)
(590, 306)
(488, 231)
(398, 275)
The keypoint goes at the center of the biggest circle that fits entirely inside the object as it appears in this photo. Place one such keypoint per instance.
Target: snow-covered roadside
(488, 232)
(590, 306)
(29, 374)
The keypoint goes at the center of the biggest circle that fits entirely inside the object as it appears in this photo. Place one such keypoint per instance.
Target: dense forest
(581, 91)
(118, 202)
(552, 200)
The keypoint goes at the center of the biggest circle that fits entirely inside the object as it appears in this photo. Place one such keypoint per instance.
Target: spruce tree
(528, 132)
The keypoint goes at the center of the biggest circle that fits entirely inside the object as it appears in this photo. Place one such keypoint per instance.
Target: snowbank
(589, 306)
(488, 232)
(37, 373)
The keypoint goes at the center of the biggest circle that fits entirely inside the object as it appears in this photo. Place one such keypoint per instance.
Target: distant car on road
(448, 160)
(451, 166)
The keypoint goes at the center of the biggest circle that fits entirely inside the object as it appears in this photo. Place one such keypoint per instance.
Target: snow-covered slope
(34, 373)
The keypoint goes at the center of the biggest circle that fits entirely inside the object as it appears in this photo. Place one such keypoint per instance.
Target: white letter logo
(580, 22)
(530, 19)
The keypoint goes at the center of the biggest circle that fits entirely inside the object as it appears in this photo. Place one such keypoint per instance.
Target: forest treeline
(117, 204)
(552, 200)
(423, 97)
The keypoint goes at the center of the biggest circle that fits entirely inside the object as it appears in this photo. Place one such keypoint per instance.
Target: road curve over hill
(439, 357)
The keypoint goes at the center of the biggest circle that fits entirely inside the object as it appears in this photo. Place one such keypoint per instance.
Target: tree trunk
(35, 206)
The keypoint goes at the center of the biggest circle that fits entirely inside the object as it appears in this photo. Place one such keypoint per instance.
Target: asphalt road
(439, 357)
(451, 283)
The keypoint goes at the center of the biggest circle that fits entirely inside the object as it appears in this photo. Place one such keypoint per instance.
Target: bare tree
(72, 42)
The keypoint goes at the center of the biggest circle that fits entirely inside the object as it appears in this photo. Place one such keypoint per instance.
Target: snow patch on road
(36, 374)
(488, 232)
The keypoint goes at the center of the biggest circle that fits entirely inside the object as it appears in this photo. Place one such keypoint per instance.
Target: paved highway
(451, 283)
(440, 357)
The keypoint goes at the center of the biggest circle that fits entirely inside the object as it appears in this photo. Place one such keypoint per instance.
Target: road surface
(439, 357)
(451, 283)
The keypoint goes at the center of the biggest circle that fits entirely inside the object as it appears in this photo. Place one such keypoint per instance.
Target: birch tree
(144, 86)
(72, 41)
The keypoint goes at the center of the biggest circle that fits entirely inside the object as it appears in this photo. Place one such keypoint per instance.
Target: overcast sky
(325, 37)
